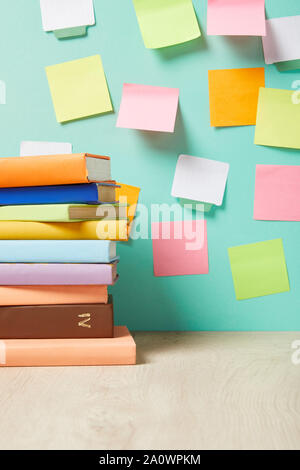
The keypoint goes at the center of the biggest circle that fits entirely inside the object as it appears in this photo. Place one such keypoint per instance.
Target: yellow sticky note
(166, 22)
(233, 96)
(78, 88)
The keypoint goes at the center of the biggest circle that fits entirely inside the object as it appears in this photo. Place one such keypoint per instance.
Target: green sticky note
(288, 65)
(196, 205)
(78, 88)
(259, 269)
(70, 32)
(166, 22)
(278, 117)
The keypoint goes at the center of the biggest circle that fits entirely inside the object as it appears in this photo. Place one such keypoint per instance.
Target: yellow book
(88, 230)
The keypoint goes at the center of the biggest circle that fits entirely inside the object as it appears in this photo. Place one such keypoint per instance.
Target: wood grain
(189, 391)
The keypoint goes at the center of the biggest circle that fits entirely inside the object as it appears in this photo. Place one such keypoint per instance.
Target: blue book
(57, 251)
(86, 193)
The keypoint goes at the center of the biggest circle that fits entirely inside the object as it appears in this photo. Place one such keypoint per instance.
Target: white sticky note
(29, 148)
(282, 40)
(61, 14)
(2, 92)
(200, 179)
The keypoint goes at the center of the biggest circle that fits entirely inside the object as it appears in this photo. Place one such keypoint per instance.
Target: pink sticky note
(179, 248)
(277, 193)
(149, 108)
(236, 17)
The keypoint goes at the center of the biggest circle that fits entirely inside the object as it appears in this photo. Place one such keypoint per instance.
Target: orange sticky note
(127, 194)
(233, 96)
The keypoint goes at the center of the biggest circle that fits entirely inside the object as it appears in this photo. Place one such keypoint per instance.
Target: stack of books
(59, 223)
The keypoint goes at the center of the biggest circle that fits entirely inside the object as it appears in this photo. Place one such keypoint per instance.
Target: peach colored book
(43, 295)
(119, 350)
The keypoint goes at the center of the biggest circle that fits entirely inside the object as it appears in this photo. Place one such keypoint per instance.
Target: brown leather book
(57, 321)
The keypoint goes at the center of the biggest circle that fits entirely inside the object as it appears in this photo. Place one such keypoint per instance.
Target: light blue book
(57, 251)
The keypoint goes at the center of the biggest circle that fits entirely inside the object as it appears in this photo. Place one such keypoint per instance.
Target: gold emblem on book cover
(84, 323)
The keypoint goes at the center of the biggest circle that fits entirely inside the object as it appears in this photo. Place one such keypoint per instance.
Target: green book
(63, 212)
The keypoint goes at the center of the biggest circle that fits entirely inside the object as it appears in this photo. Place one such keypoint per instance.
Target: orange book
(119, 350)
(44, 295)
(53, 170)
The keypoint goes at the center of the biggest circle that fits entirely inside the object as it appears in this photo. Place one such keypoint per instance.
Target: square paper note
(179, 248)
(166, 22)
(285, 66)
(277, 193)
(78, 88)
(200, 179)
(282, 41)
(149, 108)
(129, 195)
(258, 269)
(236, 17)
(61, 14)
(29, 148)
(278, 117)
(233, 96)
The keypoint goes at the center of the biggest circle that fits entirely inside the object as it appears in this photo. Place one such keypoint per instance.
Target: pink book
(29, 274)
(119, 350)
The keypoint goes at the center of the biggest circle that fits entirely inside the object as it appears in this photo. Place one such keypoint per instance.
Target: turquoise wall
(148, 159)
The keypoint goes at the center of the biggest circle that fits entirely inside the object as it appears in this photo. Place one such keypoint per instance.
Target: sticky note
(29, 148)
(288, 65)
(2, 92)
(70, 32)
(282, 41)
(179, 248)
(195, 205)
(61, 14)
(278, 117)
(150, 108)
(236, 17)
(233, 95)
(277, 192)
(78, 88)
(166, 22)
(127, 194)
(200, 179)
(259, 269)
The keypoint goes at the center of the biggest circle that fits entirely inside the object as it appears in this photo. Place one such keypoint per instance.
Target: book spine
(42, 295)
(55, 274)
(57, 321)
(91, 230)
(55, 251)
(68, 352)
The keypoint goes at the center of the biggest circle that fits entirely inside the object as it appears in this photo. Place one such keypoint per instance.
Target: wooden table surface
(189, 391)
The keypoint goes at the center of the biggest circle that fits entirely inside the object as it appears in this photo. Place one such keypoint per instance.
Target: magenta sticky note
(236, 17)
(149, 108)
(179, 248)
(277, 192)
